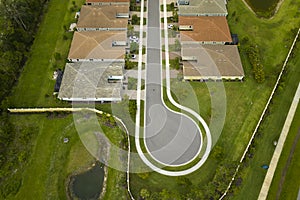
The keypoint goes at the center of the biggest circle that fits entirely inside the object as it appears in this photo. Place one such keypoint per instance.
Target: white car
(133, 38)
(170, 26)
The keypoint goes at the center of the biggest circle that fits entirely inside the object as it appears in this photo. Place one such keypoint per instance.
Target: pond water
(262, 6)
(88, 185)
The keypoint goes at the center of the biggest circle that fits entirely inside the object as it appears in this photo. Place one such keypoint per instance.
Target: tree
(144, 175)
(134, 47)
(218, 152)
(144, 193)
(135, 20)
(164, 194)
(184, 182)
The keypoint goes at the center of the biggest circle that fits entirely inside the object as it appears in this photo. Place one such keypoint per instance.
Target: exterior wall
(101, 29)
(214, 78)
(94, 60)
(203, 14)
(93, 99)
(107, 3)
(203, 42)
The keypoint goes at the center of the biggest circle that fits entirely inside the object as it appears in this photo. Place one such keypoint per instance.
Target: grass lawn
(35, 82)
(262, 150)
(291, 184)
(132, 84)
(51, 161)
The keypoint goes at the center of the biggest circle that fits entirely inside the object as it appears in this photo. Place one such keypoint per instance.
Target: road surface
(171, 138)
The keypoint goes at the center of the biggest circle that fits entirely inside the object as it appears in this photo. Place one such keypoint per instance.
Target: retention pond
(87, 185)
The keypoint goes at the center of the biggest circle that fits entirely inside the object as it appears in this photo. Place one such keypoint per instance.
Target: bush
(135, 20)
(257, 67)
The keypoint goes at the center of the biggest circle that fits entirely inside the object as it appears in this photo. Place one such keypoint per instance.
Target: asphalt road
(171, 138)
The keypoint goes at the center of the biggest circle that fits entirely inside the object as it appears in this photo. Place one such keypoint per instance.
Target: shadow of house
(58, 80)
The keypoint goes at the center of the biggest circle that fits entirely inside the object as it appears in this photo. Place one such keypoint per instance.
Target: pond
(88, 185)
(263, 7)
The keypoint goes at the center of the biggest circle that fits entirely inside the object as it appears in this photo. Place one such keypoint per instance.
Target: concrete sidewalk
(285, 130)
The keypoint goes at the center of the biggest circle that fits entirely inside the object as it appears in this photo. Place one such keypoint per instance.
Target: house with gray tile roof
(92, 81)
(211, 62)
(202, 8)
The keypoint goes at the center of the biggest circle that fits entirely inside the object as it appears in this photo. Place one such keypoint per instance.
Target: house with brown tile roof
(202, 8)
(107, 2)
(92, 81)
(211, 62)
(204, 30)
(99, 18)
(98, 46)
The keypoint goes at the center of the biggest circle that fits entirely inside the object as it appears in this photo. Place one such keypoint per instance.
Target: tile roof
(89, 80)
(211, 60)
(97, 45)
(202, 7)
(205, 29)
(102, 17)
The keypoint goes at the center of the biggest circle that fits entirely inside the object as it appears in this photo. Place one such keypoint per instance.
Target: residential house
(92, 81)
(211, 62)
(202, 8)
(204, 30)
(98, 46)
(103, 18)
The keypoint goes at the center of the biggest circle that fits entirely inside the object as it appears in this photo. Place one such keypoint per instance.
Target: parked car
(170, 26)
(133, 38)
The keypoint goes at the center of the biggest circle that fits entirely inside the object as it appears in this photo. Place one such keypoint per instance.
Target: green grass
(46, 172)
(36, 81)
(52, 162)
(245, 103)
(291, 183)
(269, 130)
(116, 179)
(170, 7)
(132, 84)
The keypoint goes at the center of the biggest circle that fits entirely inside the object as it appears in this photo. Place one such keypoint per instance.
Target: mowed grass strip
(291, 184)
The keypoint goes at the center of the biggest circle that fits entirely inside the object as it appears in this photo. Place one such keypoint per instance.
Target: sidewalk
(285, 130)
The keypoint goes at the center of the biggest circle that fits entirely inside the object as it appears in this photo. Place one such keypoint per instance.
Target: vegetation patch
(285, 184)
